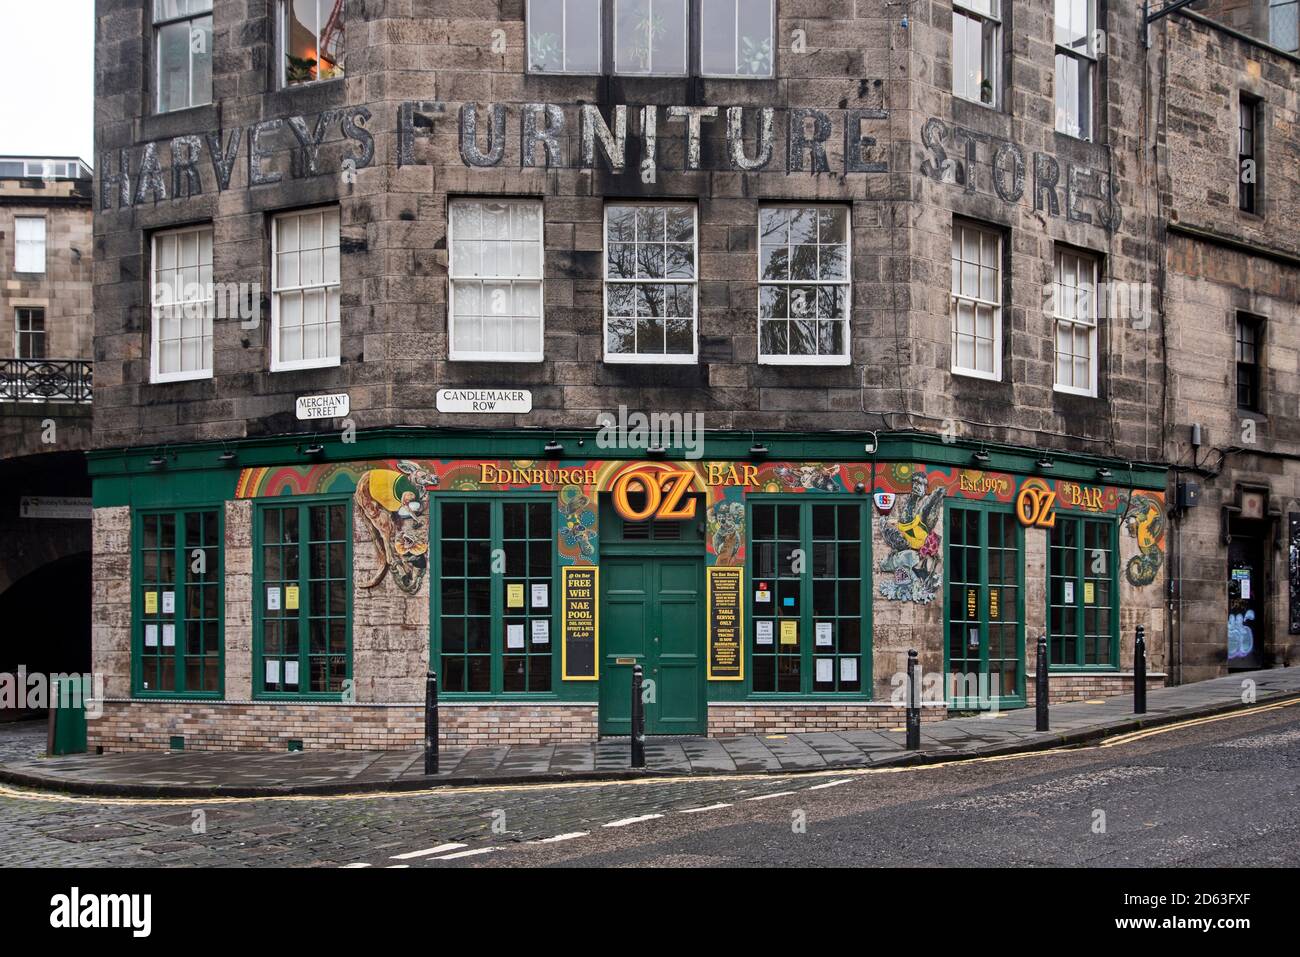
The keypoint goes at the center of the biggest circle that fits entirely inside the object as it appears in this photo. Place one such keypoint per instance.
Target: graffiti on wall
(914, 536)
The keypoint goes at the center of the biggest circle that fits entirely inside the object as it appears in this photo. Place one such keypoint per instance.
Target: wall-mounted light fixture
(981, 457)
(1045, 464)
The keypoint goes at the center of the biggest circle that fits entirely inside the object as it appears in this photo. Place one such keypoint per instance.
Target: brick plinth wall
(1080, 687)
(257, 726)
(728, 720)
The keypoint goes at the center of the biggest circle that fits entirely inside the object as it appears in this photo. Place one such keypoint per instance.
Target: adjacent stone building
(756, 342)
(45, 427)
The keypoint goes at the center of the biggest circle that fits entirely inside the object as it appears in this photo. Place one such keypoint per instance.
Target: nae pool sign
(516, 401)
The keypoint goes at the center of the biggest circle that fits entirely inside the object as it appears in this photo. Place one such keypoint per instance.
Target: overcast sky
(47, 78)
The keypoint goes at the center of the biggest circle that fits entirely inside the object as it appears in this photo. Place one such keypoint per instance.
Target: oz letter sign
(665, 494)
(1034, 506)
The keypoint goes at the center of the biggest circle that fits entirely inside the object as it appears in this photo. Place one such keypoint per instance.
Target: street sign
(323, 406)
(53, 506)
(485, 400)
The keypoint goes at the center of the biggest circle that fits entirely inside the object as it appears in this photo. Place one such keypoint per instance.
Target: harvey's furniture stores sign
(550, 136)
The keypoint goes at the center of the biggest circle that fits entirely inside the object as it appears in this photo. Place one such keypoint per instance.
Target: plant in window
(650, 27)
(299, 69)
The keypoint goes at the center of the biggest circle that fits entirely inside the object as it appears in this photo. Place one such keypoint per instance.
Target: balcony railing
(45, 380)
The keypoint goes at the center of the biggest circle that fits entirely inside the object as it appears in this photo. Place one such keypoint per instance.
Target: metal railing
(45, 380)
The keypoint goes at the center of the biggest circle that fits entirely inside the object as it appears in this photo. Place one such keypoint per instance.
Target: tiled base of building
(728, 720)
(1081, 687)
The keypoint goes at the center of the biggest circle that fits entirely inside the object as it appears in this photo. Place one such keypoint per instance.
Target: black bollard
(913, 705)
(638, 719)
(1041, 692)
(1140, 671)
(431, 723)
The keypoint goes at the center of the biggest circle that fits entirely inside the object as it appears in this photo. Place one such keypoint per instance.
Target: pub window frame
(497, 615)
(806, 618)
(196, 11)
(180, 618)
(1080, 578)
(652, 358)
(301, 505)
(844, 357)
(484, 279)
(985, 511)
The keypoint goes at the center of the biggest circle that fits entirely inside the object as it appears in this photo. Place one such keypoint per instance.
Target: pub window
(1250, 330)
(311, 40)
(302, 593)
(1083, 626)
(494, 597)
(183, 53)
(1247, 154)
(737, 38)
(305, 289)
(564, 36)
(985, 649)
(976, 303)
(803, 291)
(178, 642)
(496, 280)
(29, 332)
(182, 305)
(976, 50)
(807, 578)
(650, 257)
(1284, 25)
(1075, 306)
(1076, 66)
(29, 244)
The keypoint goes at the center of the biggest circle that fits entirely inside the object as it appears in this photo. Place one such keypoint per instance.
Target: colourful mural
(913, 534)
(1144, 518)
(395, 504)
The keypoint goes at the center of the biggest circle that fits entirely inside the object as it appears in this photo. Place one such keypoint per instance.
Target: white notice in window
(291, 673)
(825, 669)
(825, 636)
(273, 671)
(151, 636)
(541, 631)
(169, 603)
(540, 598)
(1069, 593)
(169, 635)
(848, 669)
(763, 635)
(273, 598)
(514, 636)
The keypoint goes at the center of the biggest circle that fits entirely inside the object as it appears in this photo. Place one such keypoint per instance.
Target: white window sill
(658, 359)
(162, 378)
(1070, 390)
(455, 356)
(977, 374)
(305, 364)
(803, 360)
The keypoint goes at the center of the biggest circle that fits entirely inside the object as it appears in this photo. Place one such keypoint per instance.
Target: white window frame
(1090, 322)
(735, 57)
(160, 21)
(156, 375)
(28, 250)
(20, 331)
(1087, 57)
(842, 359)
(686, 42)
(488, 356)
(651, 358)
(959, 230)
(980, 12)
(564, 48)
(325, 362)
(282, 48)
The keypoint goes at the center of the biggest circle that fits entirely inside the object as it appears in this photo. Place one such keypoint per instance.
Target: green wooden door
(652, 614)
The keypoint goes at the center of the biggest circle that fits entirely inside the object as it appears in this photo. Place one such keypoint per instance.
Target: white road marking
(632, 820)
(563, 837)
(440, 849)
(477, 850)
(697, 810)
(393, 866)
(768, 797)
(831, 784)
(356, 865)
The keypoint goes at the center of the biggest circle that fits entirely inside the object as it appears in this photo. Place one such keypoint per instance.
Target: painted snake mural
(1146, 523)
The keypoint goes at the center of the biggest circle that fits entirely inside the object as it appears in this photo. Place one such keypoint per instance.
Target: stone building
(753, 341)
(45, 414)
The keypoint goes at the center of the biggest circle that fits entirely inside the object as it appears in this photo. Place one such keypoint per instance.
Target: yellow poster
(151, 603)
(1089, 592)
(291, 597)
(789, 632)
(515, 596)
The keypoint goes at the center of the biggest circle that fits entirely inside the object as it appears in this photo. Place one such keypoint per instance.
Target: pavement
(198, 774)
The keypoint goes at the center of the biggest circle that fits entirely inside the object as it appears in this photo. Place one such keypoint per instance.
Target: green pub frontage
(294, 592)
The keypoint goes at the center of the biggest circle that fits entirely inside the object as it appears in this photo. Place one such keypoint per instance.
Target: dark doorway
(46, 622)
(1247, 624)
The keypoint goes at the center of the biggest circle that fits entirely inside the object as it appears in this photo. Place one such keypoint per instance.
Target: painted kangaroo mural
(395, 503)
